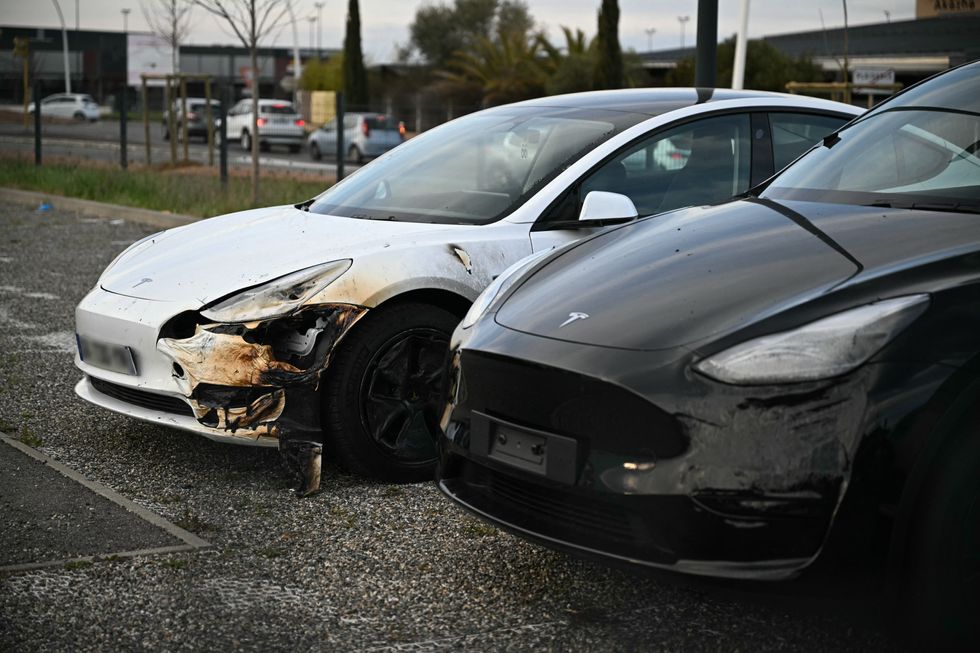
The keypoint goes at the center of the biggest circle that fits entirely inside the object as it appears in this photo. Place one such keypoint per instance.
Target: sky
(385, 23)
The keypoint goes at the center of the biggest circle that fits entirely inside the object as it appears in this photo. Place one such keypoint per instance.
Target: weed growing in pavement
(7, 427)
(194, 190)
(475, 528)
(30, 438)
(174, 563)
(269, 552)
(78, 564)
(393, 491)
(193, 523)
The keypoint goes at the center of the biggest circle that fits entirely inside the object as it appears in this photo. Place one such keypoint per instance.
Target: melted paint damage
(238, 377)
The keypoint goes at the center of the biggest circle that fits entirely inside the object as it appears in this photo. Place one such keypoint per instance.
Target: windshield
(904, 158)
(473, 170)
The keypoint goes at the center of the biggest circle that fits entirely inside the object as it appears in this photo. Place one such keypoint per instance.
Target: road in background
(100, 141)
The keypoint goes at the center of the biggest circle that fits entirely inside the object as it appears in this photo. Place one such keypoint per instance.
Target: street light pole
(741, 46)
(312, 20)
(64, 48)
(76, 15)
(319, 29)
(683, 21)
(125, 13)
(650, 32)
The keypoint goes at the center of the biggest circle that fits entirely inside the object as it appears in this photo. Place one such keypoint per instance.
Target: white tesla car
(329, 320)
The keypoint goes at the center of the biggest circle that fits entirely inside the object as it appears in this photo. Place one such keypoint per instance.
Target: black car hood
(685, 276)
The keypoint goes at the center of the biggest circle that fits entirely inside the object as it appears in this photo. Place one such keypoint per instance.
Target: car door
(326, 138)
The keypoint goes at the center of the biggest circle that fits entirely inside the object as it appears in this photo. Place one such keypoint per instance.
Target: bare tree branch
(171, 21)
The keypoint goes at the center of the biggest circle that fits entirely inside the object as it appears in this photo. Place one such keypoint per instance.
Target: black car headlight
(278, 297)
(823, 349)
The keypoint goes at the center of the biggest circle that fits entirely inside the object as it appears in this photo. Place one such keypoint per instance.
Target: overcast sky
(384, 23)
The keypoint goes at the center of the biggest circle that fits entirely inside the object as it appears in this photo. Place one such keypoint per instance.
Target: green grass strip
(191, 191)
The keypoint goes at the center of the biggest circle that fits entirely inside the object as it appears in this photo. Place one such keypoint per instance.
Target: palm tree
(506, 69)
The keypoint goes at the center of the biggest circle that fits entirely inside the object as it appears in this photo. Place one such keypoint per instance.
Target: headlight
(823, 349)
(277, 297)
(502, 282)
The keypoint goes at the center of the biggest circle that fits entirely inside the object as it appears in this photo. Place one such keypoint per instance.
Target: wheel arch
(446, 299)
(941, 426)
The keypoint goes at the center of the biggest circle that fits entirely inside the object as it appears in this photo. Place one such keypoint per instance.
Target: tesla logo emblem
(572, 317)
(144, 280)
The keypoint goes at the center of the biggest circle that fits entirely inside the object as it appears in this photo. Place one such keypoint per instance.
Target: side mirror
(601, 207)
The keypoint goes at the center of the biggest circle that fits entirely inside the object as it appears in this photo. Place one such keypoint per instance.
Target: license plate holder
(546, 454)
(106, 356)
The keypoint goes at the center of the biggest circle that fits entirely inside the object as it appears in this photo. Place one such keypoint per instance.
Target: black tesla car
(737, 390)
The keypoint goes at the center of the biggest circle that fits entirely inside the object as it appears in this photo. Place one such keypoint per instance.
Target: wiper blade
(951, 207)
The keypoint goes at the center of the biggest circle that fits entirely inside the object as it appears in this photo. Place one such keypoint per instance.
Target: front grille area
(535, 499)
(141, 398)
(593, 411)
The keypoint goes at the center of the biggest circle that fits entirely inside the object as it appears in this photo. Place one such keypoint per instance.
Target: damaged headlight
(498, 285)
(277, 297)
(823, 349)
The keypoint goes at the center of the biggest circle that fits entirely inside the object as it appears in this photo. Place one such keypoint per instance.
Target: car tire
(79, 116)
(382, 394)
(315, 153)
(942, 589)
(246, 142)
(354, 155)
(166, 134)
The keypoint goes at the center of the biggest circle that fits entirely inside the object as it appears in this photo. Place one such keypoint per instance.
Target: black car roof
(650, 101)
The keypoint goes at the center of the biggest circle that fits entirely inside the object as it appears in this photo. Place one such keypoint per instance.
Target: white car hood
(205, 261)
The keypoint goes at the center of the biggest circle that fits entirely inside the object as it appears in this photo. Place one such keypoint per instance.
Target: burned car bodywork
(334, 315)
(743, 389)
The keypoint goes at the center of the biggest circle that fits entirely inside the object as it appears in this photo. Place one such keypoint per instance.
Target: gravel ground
(362, 566)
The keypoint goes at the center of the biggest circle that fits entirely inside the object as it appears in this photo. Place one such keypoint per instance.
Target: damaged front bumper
(630, 455)
(248, 383)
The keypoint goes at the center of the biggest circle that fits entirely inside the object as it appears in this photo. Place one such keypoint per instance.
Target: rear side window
(794, 133)
(382, 122)
(283, 108)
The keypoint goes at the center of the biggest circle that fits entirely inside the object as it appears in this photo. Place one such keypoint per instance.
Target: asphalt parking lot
(361, 566)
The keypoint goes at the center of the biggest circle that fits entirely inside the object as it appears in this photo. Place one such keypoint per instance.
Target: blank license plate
(115, 358)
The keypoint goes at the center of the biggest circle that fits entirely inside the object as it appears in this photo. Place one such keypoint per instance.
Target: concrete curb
(98, 209)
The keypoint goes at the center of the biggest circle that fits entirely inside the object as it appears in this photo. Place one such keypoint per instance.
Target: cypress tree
(355, 76)
(608, 72)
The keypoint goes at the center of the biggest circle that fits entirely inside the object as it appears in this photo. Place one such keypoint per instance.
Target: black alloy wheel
(315, 153)
(383, 392)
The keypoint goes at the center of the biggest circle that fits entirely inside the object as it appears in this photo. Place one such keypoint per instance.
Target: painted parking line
(189, 541)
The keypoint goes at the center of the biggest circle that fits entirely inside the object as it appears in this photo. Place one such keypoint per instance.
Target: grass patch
(190, 190)
(269, 552)
(193, 523)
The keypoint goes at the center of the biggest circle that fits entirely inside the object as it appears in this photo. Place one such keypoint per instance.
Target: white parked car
(69, 105)
(366, 135)
(331, 318)
(278, 124)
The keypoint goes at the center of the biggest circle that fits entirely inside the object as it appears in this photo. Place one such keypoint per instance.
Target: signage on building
(933, 8)
(872, 78)
(147, 54)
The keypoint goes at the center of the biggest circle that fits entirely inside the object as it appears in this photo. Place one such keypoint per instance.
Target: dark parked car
(743, 389)
(197, 118)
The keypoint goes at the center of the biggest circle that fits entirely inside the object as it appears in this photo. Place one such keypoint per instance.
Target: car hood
(686, 276)
(201, 262)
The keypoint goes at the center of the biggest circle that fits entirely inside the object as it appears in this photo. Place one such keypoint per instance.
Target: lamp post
(64, 49)
(319, 28)
(312, 20)
(125, 13)
(650, 32)
(683, 21)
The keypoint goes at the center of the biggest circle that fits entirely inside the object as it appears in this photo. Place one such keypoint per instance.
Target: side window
(330, 126)
(699, 162)
(794, 133)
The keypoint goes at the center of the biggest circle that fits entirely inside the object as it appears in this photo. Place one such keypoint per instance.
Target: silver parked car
(366, 135)
(79, 106)
(278, 124)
